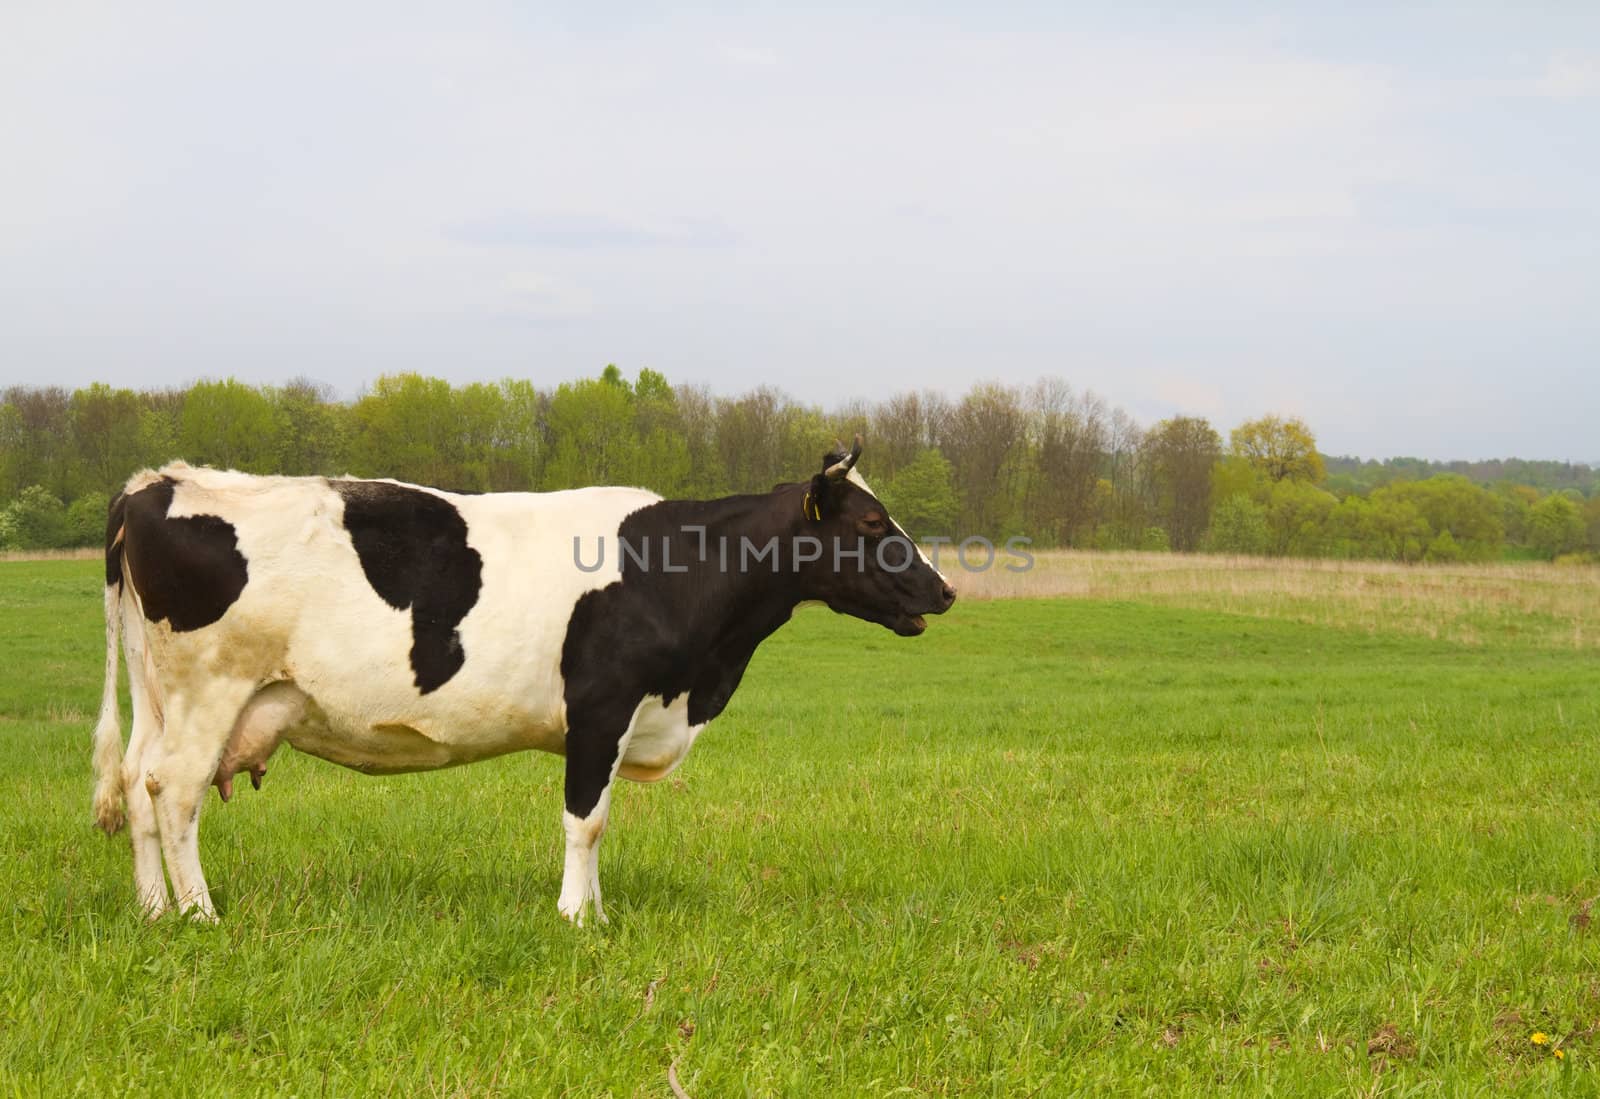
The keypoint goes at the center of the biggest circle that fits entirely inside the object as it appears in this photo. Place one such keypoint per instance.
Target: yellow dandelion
(1561, 1055)
(1539, 1038)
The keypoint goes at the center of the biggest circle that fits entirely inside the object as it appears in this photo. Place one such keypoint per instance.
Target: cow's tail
(109, 812)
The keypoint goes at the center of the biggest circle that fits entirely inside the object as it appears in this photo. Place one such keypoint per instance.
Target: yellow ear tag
(810, 510)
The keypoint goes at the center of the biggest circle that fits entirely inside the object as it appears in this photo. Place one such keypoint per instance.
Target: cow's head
(888, 581)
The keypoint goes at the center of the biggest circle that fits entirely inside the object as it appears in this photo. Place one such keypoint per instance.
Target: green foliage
(1279, 449)
(1444, 549)
(1238, 526)
(1233, 475)
(1540, 477)
(106, 433)
(922, 496)
(1053, 464)
(232, 425)
(315, 430)
(406, 428)
(1379, 527)
(1182, 453)
(1556, 526)
(1452, 503)
(1297, 517)
(158, 440)
(592, 424)
(86, 520)
(36, 519)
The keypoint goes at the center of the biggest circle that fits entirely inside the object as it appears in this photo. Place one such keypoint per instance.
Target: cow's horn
(845, 464)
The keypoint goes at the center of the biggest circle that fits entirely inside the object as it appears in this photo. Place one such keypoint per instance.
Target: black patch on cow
(187, 571)
(661, 632)
(115, 514)
(413, 549)
(664, 633)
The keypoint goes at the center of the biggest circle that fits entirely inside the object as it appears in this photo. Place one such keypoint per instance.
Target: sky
(1382, 218)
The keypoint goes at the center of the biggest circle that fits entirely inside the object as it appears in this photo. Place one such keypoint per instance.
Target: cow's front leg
(597, 735)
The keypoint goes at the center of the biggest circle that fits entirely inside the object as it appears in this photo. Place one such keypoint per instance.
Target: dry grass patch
(86, 553)
(1548, 605)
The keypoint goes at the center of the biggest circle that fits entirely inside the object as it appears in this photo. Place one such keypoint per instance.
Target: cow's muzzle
(909, 625)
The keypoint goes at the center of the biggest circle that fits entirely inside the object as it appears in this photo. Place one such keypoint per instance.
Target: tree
(86, 520)
(664, 460)
(591, 422)
(406, 428)
(899, 433)
(479, 410)
(1182, 452)
(922, 496)
(1281, 449)
(523, 440)
(1444, 549)
(34, 520)
(232, 425)
(1450, 502)
(314, 429)
(980, 437)
(1380, 526)
(1556, 526)
(1125, 507)
(158, 427)
(1069, 440)
(1239, 525)
(38, 437)
(697, 413)
(746, 429)
(105, 435)
(1297, 518)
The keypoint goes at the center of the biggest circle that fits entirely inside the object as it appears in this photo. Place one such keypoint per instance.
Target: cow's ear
(820, 502)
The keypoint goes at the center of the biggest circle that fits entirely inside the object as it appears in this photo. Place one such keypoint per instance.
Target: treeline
(1048, 462)
(1347, 474)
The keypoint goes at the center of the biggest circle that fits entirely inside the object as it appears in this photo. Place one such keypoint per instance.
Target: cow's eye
(873, 525)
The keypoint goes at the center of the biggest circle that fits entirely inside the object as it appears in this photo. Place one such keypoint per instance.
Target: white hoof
(572, 910)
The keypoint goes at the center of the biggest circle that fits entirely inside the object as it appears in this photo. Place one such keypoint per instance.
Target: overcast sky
(1385, 221)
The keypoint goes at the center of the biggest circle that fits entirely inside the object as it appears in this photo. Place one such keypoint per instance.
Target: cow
(391, 627)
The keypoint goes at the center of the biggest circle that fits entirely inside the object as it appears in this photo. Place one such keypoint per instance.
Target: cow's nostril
(949, 594)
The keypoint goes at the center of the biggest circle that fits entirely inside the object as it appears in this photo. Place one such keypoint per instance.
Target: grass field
(1054, 846)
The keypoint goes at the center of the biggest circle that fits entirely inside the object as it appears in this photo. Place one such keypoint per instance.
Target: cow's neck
(730, 599)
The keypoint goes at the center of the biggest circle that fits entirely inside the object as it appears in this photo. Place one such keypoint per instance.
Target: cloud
(584, 231)
(1570, 76)
(750, 57)
(531, 295)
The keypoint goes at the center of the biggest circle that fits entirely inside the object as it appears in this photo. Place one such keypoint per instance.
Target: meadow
(1151, 834)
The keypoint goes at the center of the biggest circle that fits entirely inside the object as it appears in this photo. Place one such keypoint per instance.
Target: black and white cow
(389, 628)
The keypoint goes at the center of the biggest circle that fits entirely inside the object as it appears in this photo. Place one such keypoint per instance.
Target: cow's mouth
(909, 625)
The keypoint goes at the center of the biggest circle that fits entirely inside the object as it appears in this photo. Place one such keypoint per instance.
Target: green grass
(1048, 848)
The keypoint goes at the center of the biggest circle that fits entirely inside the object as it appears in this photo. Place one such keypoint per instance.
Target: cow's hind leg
(179, 773)
(597, 736)
(148, 881)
